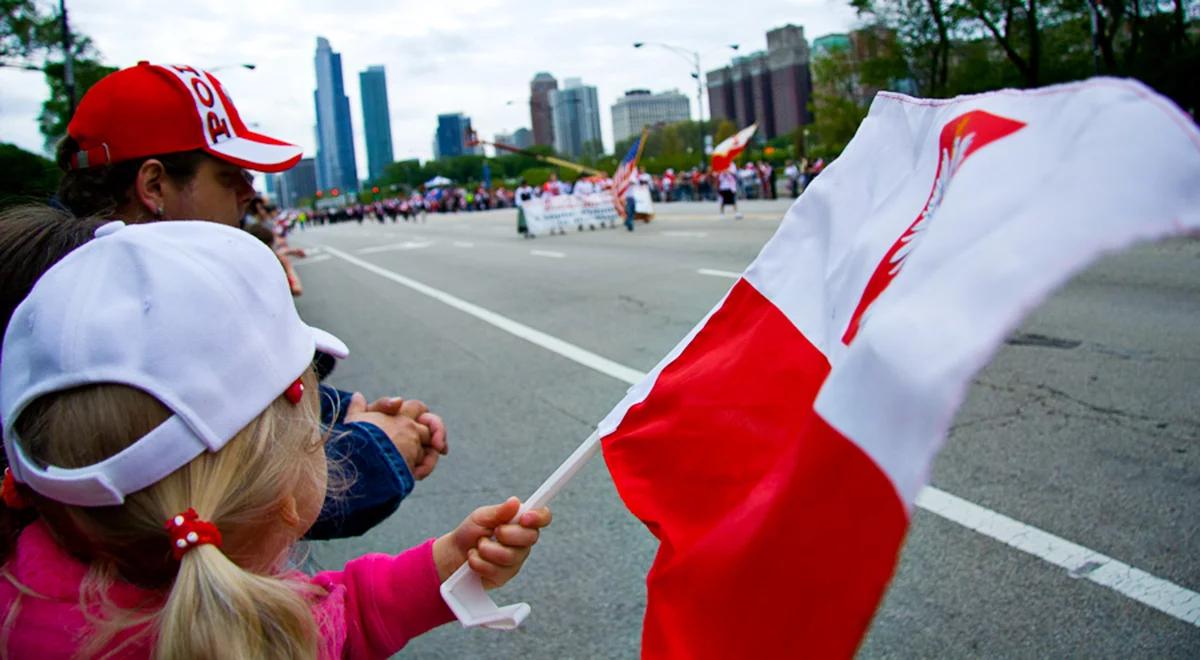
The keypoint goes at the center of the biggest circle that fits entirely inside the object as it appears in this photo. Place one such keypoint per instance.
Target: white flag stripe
(1004, 225)
(1174, 600)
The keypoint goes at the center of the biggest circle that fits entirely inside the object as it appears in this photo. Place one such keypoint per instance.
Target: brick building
(771, 87)
(540, 113)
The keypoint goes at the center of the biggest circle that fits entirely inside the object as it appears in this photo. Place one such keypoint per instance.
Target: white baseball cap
(196, 314)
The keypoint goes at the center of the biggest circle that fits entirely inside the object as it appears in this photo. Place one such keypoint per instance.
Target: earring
(158, 212)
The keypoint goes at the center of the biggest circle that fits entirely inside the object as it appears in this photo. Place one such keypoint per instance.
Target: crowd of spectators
(755, 180)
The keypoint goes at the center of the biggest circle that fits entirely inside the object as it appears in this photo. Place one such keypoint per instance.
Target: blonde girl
(161, 423)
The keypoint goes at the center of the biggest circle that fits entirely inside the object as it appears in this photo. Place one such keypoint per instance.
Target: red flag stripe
(719, 520)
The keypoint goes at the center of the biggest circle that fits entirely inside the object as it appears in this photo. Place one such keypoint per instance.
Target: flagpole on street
(463, 591)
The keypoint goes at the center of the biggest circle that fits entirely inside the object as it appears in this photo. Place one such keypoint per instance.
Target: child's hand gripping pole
(463, 591)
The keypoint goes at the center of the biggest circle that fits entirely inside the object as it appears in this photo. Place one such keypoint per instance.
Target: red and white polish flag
(731, 147)
(777, 451)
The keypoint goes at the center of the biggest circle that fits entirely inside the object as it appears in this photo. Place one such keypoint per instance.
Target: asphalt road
(1085, 425)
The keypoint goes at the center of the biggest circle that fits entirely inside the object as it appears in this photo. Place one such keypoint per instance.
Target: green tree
(923, 30)
(725, 129)
(55, 115)
(536, 176)
(405, 173)
(838, 103)
(32, 36)
(25, 176)
(28, 31)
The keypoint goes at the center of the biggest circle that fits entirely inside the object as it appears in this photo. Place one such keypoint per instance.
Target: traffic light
(320, 194)
(335, 192)
(375, 189)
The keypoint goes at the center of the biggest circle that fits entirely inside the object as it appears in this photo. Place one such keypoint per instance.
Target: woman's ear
(150, 190)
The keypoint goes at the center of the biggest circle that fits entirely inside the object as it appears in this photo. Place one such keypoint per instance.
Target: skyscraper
(576, 111)
(376, 123)
(522, 138)
(298, 183)
(451, 138)
(336, 167)
(540, 114)
(772, 88)
(640, 108)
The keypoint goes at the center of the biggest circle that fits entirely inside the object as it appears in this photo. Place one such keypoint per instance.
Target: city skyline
(337, 165)
(435, 63)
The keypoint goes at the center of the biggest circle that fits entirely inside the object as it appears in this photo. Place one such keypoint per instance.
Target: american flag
(624, 174)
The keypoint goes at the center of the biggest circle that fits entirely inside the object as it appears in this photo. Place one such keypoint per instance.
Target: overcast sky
(472, 56)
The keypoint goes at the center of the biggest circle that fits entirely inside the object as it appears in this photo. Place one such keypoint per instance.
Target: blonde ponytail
(216, 609)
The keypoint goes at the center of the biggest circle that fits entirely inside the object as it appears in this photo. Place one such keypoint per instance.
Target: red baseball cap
(152, 109)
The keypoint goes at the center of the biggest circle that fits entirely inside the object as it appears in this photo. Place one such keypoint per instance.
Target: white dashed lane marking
(407, 245)
(311, 260)
(719, 273)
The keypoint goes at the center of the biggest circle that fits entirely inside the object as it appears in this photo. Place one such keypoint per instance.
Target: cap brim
(327, 343)
(258, 152)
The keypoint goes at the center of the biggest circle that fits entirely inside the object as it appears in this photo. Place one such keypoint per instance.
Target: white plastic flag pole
(463, 591)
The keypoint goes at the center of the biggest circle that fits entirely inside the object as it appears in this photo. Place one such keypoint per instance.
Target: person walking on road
(631, 201)
(727, 185)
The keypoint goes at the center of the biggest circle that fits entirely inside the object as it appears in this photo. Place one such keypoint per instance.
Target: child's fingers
(516, 536)
(485, 519)
(491, 574)
(536, 518)
(501, 555)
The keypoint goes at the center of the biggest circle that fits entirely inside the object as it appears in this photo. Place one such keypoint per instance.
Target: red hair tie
(12, 497)
(188, 531)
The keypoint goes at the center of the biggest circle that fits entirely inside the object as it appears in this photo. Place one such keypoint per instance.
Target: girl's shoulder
(44, 586)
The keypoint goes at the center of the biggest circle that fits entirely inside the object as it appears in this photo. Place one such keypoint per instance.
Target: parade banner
(562, 213)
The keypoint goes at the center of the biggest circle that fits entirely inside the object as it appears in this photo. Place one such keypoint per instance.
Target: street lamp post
(692, 57)
(68, 59)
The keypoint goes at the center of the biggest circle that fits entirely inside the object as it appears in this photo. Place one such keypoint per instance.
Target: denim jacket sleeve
(377, 474)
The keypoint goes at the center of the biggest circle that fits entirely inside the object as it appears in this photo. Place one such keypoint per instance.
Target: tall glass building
(376, 124)
(451, 137)
(336, 167)
(576, 113)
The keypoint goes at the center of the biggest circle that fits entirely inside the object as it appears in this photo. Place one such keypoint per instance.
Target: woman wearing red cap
(157, 142)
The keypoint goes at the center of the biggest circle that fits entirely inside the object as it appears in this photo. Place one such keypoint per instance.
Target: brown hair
(32, 239)
(101, 190)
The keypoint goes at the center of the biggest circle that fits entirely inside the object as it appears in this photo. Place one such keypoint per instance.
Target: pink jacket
(373, 607)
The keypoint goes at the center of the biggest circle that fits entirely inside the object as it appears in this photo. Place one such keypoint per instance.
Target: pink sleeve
(389, 600)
